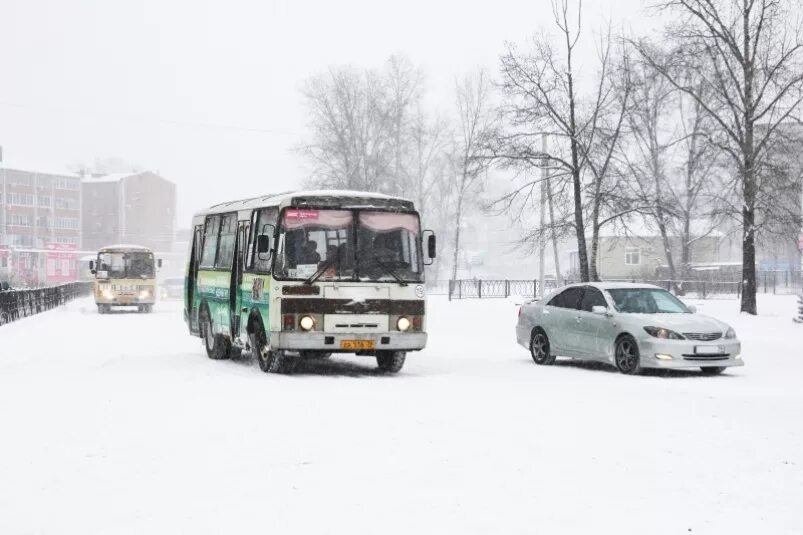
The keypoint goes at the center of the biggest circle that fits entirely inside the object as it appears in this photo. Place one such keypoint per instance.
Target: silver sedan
(632, 326)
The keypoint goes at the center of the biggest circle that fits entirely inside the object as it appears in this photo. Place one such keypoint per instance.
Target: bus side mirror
(92, 267)
(431, 247)
(159, 263)
(263, 246)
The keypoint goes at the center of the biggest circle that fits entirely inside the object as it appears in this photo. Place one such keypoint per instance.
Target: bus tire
(217, 346)
(390, 361)
(270, 361)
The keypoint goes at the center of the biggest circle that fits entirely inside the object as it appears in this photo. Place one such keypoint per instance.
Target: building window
(632, 256)
(20, 220)
(20, 199)
(70, 223)
(68, 184)
(43, 201)
(63, 203)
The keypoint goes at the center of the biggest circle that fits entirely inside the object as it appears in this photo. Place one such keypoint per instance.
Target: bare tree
(670, 158)
(748, 57)
(541, 99)
(469, 165)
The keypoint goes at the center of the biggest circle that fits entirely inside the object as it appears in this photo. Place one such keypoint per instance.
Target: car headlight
(660, 332)
(730, 333)
(403, 324)
(307, 323)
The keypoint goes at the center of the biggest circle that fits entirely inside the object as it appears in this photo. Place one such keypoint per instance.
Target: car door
(593, 330)
(562, 312)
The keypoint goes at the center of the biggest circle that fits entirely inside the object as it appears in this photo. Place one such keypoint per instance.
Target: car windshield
(132, 265)
(646, 301)
(348, 245)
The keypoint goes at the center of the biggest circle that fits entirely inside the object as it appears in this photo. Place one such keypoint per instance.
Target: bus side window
(228, 236)
(265, 225)
(248, 253)
(210, 242)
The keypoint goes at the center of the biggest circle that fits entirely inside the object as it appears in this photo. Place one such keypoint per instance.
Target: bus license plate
(357, 344)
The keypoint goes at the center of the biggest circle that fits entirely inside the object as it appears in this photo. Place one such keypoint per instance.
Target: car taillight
(417, 323)
(289, 322)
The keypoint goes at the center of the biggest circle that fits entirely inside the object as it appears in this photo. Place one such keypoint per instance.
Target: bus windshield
(359, 245)
(130, 265)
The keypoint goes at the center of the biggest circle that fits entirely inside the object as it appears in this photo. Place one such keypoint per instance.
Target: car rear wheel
(539, 348)
(390, 361)
(712, 370)
(628, 359)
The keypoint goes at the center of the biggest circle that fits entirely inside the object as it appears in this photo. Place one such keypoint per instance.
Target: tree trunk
(748, 179)
(582, 255)
(594, 250)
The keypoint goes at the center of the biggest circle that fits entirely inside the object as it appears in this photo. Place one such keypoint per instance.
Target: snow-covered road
(120, 424)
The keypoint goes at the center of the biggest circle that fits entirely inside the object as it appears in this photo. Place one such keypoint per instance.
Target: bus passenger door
(191, 298)
(235, 293)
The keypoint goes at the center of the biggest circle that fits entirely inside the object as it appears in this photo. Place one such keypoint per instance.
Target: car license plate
(708, 350)
(357, 344)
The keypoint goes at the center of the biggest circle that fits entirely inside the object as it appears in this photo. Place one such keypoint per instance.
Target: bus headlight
(403, 324)
(144, 294)
(107, 293)
(306, 323)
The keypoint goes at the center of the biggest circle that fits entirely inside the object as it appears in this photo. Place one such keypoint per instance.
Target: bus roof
(123, 248)
(346, 198)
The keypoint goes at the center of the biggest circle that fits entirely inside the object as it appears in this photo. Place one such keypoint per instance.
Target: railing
(17, 304)
(767, 282)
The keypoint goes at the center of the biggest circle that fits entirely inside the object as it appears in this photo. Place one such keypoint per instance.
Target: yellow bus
(125, 276)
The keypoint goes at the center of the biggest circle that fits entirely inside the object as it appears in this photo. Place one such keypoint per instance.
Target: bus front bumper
(342, 342)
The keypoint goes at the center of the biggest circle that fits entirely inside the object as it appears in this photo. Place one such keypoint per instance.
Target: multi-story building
(136, 208)
(40, 222)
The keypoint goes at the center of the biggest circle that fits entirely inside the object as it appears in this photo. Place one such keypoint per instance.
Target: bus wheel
(390, 361)
(217, 346)
(269, 361)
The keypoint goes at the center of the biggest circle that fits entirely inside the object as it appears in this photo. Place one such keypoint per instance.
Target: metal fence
(781, 282)
(17, 304)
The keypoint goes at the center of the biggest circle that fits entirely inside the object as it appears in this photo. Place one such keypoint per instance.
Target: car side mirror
(263, 246)
(599, 309)
(692, 309)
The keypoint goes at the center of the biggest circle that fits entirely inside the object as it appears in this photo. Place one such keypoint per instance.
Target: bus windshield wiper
(317, 275)
(389, 270)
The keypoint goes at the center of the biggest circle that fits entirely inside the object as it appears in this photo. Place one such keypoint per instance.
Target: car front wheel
(628, 359)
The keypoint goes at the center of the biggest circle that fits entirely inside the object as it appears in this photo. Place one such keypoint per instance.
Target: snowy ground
(120, 424)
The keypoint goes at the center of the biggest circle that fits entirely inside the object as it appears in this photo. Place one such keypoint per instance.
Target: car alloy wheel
(627, 356)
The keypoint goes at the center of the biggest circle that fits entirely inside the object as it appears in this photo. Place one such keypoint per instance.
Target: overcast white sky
(206, 92)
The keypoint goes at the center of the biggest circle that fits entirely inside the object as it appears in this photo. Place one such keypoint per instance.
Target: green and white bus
(307, 274)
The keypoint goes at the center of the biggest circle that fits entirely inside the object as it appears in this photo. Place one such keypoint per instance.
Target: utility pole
(542, 222)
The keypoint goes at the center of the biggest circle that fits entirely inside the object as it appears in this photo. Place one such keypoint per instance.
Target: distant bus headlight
(403, 324)
(306, 323)
(144, 294)
(107, 293)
